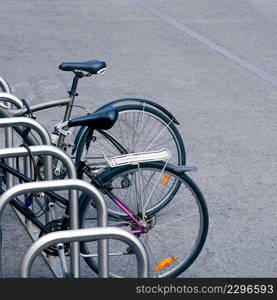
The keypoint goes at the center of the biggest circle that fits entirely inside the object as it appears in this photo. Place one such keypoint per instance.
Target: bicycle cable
(36, 172)
(30, 197)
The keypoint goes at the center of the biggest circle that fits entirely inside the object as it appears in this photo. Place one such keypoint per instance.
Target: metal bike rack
(8, 131)
(5, 86)
(73, 205)
(8, 123)
(67, 184)
(74, 236)
(28, 122)
(10, 99)
(84, 235)
(42, 132)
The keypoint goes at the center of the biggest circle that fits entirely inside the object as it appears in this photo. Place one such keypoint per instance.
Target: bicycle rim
(176, 235)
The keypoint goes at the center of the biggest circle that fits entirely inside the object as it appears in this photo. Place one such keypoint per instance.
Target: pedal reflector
(166, 262)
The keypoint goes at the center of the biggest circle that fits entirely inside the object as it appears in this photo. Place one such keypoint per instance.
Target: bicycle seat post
(72, 93)
(78, 75)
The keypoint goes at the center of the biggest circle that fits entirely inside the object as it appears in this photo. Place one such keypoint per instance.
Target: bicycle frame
(29, 214)
(118, 202)
(67, 102)
(24, 209)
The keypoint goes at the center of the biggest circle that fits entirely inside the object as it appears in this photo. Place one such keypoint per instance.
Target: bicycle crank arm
(62, 257)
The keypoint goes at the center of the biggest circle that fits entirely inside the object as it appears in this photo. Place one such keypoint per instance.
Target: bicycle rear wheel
(176, 228)
(139, 128)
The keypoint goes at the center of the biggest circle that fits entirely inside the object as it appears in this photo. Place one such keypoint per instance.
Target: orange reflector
(166, 262)
(166, 179)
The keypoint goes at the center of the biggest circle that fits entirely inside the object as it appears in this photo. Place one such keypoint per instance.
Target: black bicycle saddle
(103, 119)
(91, 66)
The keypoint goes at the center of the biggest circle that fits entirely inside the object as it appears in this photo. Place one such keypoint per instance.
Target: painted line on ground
(209, 43)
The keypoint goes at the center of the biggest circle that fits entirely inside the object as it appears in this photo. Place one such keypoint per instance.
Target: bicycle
(143, 125)
(140, 125)
(170, 176)
(140, 188)
(140, 132)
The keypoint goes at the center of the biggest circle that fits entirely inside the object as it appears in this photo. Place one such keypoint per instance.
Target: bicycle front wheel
(176, 229)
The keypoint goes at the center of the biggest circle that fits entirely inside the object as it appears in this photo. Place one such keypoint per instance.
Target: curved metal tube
(30, 138)
(42, 132)
(73, 185)
(42, 150)
(6, 97)
(8, 131)
(5, 86)
(67, 161)
(87, 235)
(53, 151)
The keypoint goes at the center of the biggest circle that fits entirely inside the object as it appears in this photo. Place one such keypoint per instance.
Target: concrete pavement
(227, 112)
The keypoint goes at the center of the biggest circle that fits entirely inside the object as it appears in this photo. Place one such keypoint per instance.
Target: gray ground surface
(227, 112)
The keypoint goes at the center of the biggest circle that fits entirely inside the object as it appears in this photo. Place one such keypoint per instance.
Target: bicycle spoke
(176, 220)
(166, 210)
(120, 128)
(140, 195)
(149, 250)
(162, 143)
(157, 136)
(155, 185)
(146, 123)
(141, 127)
(107, 148)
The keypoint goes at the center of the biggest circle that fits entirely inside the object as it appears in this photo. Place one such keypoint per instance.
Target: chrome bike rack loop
(8, 131)
(42, 132)
(67, 161)
(8, 123)
(11, 99)
(83, 235)
(45, 138)
(5, 86)
(66, 184)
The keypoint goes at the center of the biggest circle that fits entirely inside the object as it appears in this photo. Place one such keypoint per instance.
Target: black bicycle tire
(107, 175)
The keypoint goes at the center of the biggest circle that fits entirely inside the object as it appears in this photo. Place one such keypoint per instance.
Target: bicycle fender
(139, 100)
(183, 169)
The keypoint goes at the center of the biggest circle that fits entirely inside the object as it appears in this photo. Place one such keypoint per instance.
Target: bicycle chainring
(53, 226)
